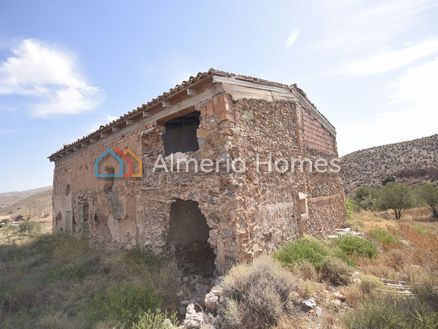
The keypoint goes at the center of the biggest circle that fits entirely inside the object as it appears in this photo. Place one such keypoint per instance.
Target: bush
(123, 303)
(308, 271)
(418, 311)
(335, 271)
(427, 293)
(383, 236)
(354, 246)
(396, 197)
(305, 249)
(257, 294)
(145, 257)
(369, 284)
(365, 197)
(376, 314)
(350, 208)
(429, 194)
(74, 271)
(156, 320)
(30, 227)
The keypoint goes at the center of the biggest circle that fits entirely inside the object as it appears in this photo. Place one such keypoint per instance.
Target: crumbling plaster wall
(137, 211)
(112, 215)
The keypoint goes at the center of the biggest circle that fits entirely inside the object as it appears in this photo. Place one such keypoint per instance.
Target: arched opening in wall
(188, 236)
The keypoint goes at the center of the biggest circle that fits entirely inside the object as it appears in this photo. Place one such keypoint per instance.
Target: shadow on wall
(188, 238)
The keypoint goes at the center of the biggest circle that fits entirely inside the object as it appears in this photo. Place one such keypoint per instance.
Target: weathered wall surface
(247, 213)
(267, 203)
(128, 212)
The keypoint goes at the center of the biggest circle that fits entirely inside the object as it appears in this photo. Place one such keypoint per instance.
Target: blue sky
(68, 66)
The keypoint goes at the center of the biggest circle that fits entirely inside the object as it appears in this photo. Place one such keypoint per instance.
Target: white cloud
(389, 60)
(364, 25)
(50, 75)
(292, 38)
(415, 94)
(110, 118)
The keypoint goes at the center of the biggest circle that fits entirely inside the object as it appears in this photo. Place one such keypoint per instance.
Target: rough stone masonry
(209, 219)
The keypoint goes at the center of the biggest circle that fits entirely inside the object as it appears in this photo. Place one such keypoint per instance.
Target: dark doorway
(188, 236)
(180, 134)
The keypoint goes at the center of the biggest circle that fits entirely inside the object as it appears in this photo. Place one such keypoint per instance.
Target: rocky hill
(29, 204)
(411, 162)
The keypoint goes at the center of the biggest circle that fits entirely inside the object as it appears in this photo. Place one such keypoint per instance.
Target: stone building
(212, 217)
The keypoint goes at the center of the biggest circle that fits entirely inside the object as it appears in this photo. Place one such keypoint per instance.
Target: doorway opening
(188, 237)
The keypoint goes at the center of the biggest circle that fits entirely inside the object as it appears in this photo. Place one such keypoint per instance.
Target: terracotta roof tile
(173, 91)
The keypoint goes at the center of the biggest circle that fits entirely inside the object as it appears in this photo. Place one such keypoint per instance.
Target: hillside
(27, 203)
(410, 162)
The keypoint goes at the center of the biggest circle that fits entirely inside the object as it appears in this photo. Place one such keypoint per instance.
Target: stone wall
(247, 213)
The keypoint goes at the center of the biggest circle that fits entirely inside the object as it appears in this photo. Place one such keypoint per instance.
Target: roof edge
(137, 114)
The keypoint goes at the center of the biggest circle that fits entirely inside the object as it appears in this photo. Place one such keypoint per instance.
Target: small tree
(429, 194)
(396, 197)
(365, 197)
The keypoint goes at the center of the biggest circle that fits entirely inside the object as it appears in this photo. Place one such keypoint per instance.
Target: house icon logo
(125, 159)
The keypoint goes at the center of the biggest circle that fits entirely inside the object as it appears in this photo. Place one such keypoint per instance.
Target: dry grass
(58, 281)
(309, 288)
(257, 294)
(335, 271)
(408, 252)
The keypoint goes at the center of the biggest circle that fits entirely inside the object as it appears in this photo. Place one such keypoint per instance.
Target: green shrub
(429, 194)
(30, 227)
(335, 271)
(354, 246)
(383, 236)
(365, 197)
(369, 284)
(427, 293)
(391, 311)
(376, 314)
(257, 294)
(74, 271)
(305, 249)
(350, 208)
(156, 320)
(123, 303)
(396, 197)
(145, 257)
(308, 271)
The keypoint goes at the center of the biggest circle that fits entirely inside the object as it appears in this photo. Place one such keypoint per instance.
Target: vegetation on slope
(58, 281)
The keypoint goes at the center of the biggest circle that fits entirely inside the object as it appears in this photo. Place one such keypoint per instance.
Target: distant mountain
(27, 203)
(411, 162)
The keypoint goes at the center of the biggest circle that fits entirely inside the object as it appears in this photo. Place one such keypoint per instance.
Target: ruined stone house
(218, 217)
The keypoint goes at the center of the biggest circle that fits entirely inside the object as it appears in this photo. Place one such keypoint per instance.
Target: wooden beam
(114, 129)
(166, 104)
(129, 122)
(146, 114)
(104, 134)
(186, 104)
